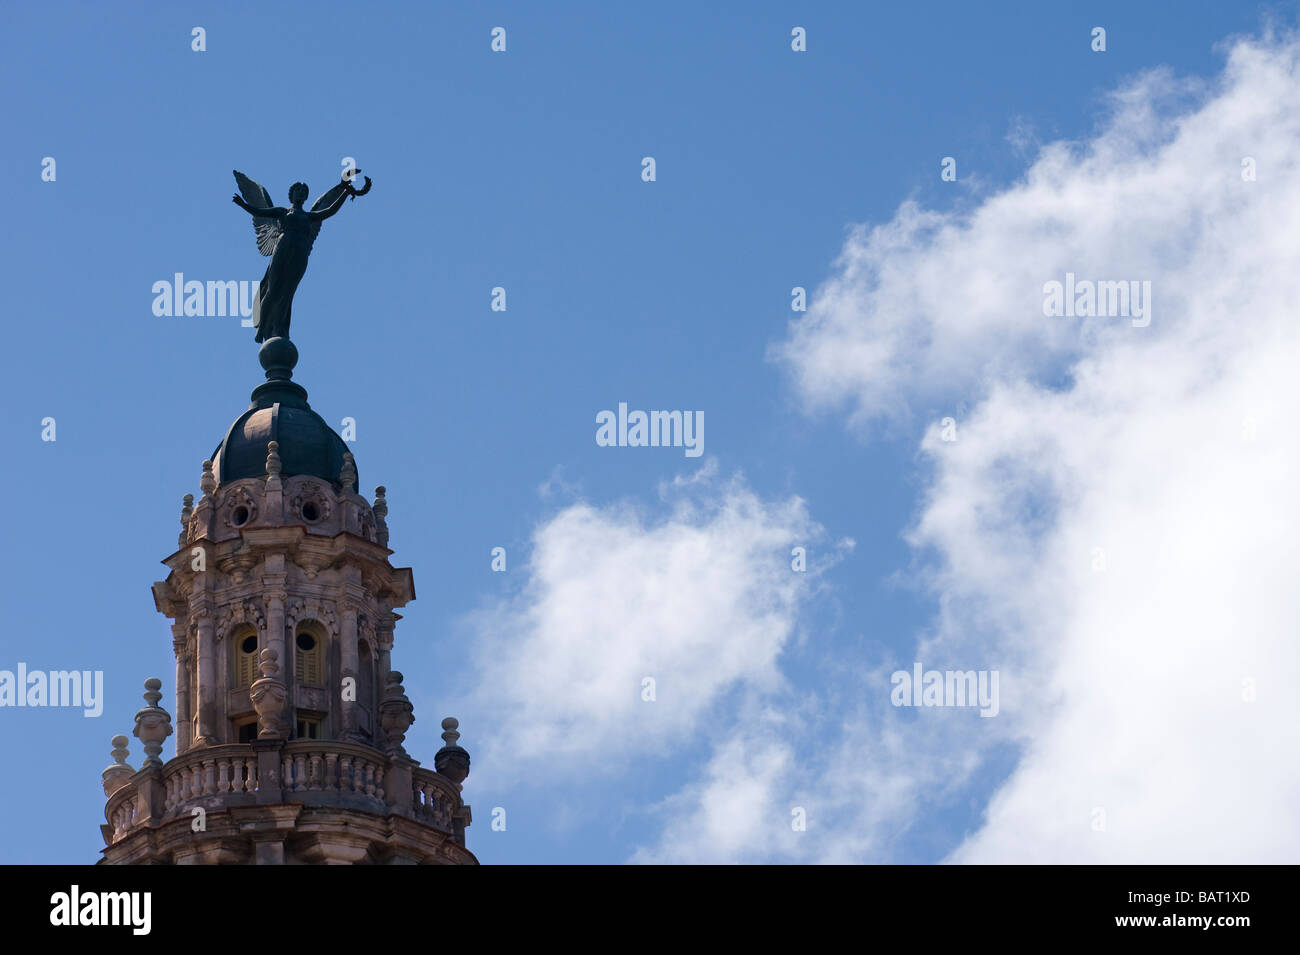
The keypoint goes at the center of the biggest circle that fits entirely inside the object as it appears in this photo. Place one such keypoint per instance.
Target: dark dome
(280, 412)
(307, 445)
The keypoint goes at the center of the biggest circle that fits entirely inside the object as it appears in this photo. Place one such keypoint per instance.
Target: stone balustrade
(121, 817)
(326, 766)
(312, 772)
(435, 799)
(211, 771)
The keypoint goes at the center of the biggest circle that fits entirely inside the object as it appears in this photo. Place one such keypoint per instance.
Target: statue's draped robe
(274, 303)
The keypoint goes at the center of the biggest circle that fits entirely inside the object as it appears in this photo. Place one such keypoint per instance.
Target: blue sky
(522, 170)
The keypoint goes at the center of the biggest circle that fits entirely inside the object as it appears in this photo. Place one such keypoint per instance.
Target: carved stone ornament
(239, 508)
(237, 614)
(310, 504)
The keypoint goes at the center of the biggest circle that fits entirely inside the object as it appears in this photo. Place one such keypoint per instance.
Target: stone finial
(396, 714)
(273, 465)
(153, 724)
(268, 664)
(348, 474)
(380, 509)
(118, 773)
(267, 696)
(452, 761)
(187, 512)
(208, 482)
(449, 731)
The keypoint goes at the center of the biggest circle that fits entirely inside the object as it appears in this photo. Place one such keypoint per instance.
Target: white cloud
(858, 777)
(1169, 447)
(700, 597)
(734, 813)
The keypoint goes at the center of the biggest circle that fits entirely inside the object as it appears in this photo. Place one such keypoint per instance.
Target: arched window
(245, 657)
(307, 658)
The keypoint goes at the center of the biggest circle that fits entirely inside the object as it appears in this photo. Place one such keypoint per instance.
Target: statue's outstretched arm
(329, 210)
(275, 212)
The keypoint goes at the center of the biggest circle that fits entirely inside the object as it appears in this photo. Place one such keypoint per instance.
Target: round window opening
(306, 642)
(239, 516)
(310, 512)
(249, 645)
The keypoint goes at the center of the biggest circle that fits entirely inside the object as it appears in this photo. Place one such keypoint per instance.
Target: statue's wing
(324, 201)
(268, 230)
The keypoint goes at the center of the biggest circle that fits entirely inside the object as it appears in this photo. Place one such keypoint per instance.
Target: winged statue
(286, 235)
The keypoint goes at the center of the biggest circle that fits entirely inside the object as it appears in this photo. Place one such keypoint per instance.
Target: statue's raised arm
(287, 236)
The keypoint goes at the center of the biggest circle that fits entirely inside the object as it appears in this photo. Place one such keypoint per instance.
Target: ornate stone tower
(290, 720)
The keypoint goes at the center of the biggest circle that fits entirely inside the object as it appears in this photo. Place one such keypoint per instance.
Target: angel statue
(286, 235)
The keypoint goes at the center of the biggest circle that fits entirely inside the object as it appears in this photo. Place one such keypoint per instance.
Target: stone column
(184, 705)
(275, 600)
(207, 680)
(349, 665)
(384, 636)
(275, 621)
(273, 583)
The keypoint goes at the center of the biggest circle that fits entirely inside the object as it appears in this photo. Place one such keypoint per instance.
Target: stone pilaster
(207, 732)
(349, 666)
(184, 705)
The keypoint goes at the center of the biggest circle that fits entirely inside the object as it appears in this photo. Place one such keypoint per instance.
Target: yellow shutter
(306, 664)
(245, 666)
